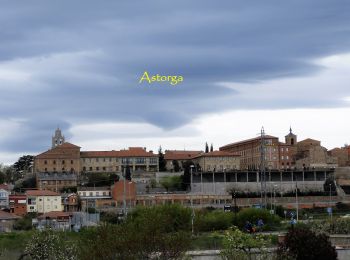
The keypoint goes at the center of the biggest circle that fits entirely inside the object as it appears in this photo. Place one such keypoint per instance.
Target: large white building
(42, 201)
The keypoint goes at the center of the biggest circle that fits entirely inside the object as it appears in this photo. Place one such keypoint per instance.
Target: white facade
(43, 204)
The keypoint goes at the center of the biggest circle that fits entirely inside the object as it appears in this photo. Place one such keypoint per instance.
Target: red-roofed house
(42, 201)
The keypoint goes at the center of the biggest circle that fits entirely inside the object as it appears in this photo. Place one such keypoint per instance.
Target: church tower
(291, 139)
(58, 138)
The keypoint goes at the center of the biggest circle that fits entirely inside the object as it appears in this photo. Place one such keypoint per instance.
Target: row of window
(100, 168)
(97, 193)
(63, 170)
(284, 157)
(63, 162)
(124, 160)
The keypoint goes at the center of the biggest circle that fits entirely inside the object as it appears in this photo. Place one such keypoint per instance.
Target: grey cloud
(206, 42)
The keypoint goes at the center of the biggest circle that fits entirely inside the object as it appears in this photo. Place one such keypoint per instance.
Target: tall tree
(206, 147)
(162, 162)
(211, 148)
(24, 164)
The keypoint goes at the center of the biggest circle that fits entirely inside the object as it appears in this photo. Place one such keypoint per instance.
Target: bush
(24, 223)
(301, 243)
(336, 226)
(253, 215)
(212, 220)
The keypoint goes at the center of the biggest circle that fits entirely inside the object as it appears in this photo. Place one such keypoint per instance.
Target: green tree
(162, 162)
(171, 182)
(302, 243)
(24, 164)
(239, 245)
(176, 165)
(206, 147)
(211, 148)
(186, 177)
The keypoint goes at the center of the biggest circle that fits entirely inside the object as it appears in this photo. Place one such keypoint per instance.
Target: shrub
(301, 243)
(212, 220)
(253, 215)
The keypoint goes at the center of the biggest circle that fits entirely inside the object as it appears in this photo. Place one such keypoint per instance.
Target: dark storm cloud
(85, 58)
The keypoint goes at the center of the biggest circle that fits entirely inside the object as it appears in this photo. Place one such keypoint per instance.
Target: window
(110, 159)
(287, 157)
(104, 168)
(282, 157)
(90, 193)
(71, 161)
(54, 169)
(117, 168)
(84, 168)
(282, 149)
(63, 162)
(45, 169)
(84, 193)
(45, 162)
(104, 193)
(97, 193)
(104, 159)
(54, 162)
(97, 168)
(96, 159)
(90, 169)
(116, 159)
(286, 149)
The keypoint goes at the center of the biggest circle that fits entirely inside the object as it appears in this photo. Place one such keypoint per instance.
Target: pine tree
(162, 162)
(211, 148)
(206, 147)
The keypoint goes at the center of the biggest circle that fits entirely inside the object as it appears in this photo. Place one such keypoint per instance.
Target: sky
(245, 64)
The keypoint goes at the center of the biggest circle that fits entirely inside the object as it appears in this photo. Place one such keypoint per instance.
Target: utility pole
(296, 197)
(124, 199)
(330, 201)
(263, 199)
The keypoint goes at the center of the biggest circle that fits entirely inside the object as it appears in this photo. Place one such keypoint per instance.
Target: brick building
(342, 154)
(64, 158)
(249, 151)
(18, 204)
(118, 193)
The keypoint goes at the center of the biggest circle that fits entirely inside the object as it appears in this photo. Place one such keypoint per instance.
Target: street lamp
(192, 215)
(330, 200)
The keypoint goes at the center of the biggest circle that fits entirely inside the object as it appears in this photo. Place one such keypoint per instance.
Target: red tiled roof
(249, 140)
(217, 154)
(180, 155)
(131, 152)
(63, 151)
(4, 186)
(55, 215)
(41, 193)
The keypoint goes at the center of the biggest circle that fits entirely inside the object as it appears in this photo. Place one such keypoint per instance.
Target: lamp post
(330, 200)
(192, 215)
(296, 198)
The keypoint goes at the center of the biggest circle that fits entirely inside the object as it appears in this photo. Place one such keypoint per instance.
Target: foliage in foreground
(302, 243)
(240, 245)
(336, 226)
(50, 245)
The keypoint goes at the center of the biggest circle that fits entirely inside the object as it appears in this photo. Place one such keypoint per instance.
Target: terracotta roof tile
(249, 140)
(217, 154)
(41, 193)
(64, 151)
(180, 155)
(7, 216)
(131, 152)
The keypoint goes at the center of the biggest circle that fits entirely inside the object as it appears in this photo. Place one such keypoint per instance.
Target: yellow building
(217, 161)
(42, 201)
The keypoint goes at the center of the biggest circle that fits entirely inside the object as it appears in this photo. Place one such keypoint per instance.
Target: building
(7, 220)
(18, 204)
(42, 201)
(4, 199)
(95, 197)
(70, 202)
(217, 161)
(180, 156)
(64, 158)
(119, 195)
(249, 151)
(342, 155)
(57, 139)
(310, 154)
(137, 158)
(56, 181)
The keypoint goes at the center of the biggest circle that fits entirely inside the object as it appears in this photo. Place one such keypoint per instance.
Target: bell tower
(291, 139)
(58, 138)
